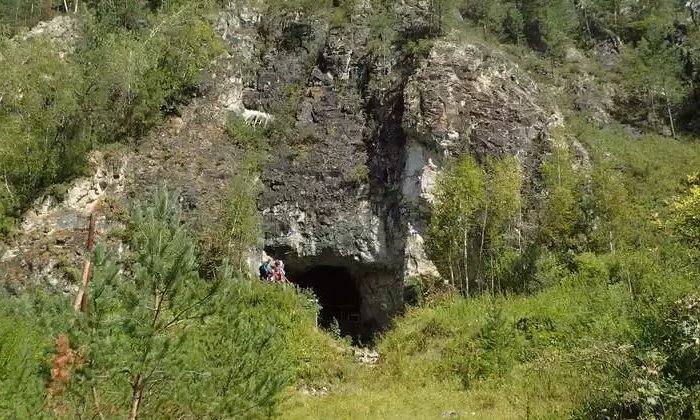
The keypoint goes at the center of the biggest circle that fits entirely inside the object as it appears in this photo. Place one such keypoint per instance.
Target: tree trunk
(653, 107)
(16, 12)
(465, 256)
(670, 117)
(136, 391)
(451, 264)
(493, 285)
(483, 236)
(519, 229)
(80, 300)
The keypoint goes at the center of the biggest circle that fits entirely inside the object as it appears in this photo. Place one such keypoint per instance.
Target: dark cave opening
(338, 294)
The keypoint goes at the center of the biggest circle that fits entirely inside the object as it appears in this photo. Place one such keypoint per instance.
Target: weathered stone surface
(63, 30)
(53, 234)
(352, 186)
(464, 98)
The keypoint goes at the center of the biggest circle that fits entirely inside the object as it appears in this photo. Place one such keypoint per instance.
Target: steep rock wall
(358, 195)
(353, 187)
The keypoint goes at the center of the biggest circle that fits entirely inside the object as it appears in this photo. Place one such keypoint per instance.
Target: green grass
(655, 167)
(438, 359)
(564, 352)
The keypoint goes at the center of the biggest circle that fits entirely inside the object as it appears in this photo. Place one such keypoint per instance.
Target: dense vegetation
(158, 340)
(590, 310)
(656, 40)
(132, 63)
(595, 315)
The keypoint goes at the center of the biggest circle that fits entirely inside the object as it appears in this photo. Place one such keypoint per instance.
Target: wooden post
(80, 303)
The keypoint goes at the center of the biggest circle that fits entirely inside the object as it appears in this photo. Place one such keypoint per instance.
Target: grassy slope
(540, 355)
(420, 376)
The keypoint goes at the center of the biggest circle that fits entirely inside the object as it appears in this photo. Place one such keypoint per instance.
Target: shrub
(23, 365)
(591, 269)
(687, 217)
(246, 136)
(237, 229)
(39, 122)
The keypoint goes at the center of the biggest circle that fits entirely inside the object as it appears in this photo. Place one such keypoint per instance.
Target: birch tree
(459, 196)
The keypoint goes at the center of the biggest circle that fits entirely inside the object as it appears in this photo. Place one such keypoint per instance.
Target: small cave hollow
(338, 295)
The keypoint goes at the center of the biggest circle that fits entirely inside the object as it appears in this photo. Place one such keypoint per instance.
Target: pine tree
(140, 315)
(22, 344)
(159, 341)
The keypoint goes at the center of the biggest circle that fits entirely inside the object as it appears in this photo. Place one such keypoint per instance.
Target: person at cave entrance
(276, 273)
(263, 271)
(279, 265)
(266, 270)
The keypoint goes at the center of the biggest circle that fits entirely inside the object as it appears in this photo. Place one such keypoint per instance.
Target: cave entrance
(338, 294)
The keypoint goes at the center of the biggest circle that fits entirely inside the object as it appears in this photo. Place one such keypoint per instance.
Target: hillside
(485, 209)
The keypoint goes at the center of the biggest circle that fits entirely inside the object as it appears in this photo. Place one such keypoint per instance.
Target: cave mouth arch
(338, 294)
(362, 296)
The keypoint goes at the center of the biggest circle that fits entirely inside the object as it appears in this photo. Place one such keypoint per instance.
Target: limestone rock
(464, 98)
(349, 190)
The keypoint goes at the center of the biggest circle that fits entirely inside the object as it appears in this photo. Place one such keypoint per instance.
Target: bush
(39, 122)
(246, 136)
(134, 76)
(23, 365)
(591, 269)
(117, 85)
(687, 217)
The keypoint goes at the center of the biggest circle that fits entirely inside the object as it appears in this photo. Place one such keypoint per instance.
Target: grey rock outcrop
(351, 185)
(358, 194)
(464, 98)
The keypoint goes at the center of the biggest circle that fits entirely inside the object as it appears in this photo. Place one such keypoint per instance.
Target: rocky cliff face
(353, 189)
(358, 195)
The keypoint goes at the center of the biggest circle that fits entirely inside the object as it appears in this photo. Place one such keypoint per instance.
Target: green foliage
(237, 230)
(654, 73)
(247, 136)
(458, 196)
(238, 365)
(657, 70)
(549, 25)
(632, 182)
(137, 325)
(612, 208)
(39, 122)
(23, 364)
(561, 208)
(131, 66)
(501, 241)
(133, 75)
(474, 232)
(608, 327)
(18, 15)
(495, 340)
(687, 217)
(163, 341)
(359, 174)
